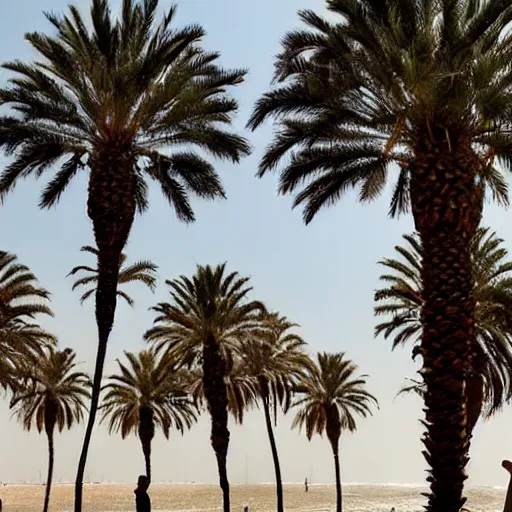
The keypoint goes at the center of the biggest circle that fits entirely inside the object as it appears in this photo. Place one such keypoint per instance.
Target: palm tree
(418, 89)
(401, 298)
(21, 301)
(274, 359)
(142, 271)
(330, 396)
(114, 97)
(147, 393)
(209, 315)
(52, 394)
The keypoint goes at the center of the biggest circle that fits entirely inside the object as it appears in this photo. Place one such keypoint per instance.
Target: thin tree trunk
(111, 208)
(146, 435)
(49, 478)
(275, 456)
(446, 205)
(214, 372)
(339, 496)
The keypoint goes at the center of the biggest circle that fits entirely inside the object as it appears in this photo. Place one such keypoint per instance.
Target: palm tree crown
(202, 328)
(127, 84)
(21, 300)
(211, 304)
(51, 394)
(354, 95)
(274, 358)
(401, 300)
(331, 393)
(52, 383)
(141, 271)
(147, 382)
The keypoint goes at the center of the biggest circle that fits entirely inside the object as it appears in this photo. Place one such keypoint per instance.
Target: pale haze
(322, 276)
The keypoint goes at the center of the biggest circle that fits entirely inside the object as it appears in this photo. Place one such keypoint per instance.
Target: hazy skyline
(322, 276)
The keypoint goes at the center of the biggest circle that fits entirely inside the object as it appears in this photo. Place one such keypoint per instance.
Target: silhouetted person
(142, 501)
(306, 485)
(0, 505)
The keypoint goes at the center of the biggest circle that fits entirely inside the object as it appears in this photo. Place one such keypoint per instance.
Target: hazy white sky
(322, 277)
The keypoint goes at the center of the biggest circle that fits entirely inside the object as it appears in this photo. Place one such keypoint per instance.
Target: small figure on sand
(142, 501)
(306, 487)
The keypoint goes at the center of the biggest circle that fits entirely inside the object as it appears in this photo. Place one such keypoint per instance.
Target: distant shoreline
(318, 484)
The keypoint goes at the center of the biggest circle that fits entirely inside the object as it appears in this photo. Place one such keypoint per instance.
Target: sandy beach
(260, 498)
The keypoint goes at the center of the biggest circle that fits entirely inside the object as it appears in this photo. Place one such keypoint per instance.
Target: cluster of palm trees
(210, 346)
(415, 89)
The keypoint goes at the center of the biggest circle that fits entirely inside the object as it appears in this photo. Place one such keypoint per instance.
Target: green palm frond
(129, 80)
(142, 271)
(401, 302)
(352, 93)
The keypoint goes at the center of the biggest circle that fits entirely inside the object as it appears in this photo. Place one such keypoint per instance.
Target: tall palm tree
(420, 90)
(21, 301)
(142, 271)
(149, 392)
(402, 300)
(52, 394)
(125, 99)
(208, 316)
(330, 396)
(274, 359)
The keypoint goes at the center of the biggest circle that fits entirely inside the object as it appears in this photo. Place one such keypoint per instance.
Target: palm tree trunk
(146, 435)
(446, 206)
(275, 456)
(49, 478)
(339, 495)
(111, 208)
(214, 372)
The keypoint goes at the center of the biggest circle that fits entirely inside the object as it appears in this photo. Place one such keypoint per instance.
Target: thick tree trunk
(333, 431)
(275, 456)
(446, 207)
(146, 435)
(111, 208)
(49, 478)
(214, 372)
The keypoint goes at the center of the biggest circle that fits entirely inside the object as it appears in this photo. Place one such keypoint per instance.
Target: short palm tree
(141, 271)
(149, 392)
(126, 100)
(52, 394)
(416, 89)
(208, 316)
(274, 359)
(401, 299)
(329, 397)
(21, 301)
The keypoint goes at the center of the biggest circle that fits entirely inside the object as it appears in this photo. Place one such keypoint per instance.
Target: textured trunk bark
(111, 207)
(214, 372)
(446, 205)
(49, 478)
(146, 435)
(275, 456)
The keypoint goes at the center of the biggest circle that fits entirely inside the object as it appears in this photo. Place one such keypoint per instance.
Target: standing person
(142, 501)
(305, 486)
